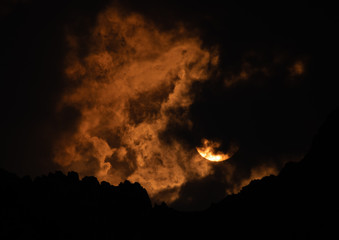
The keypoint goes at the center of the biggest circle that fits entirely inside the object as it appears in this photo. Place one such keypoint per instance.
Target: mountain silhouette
(300, 203)
(61, 206)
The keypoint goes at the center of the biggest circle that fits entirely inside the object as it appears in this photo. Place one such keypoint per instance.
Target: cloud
(147, 95)
(143, 83)
(134, 80)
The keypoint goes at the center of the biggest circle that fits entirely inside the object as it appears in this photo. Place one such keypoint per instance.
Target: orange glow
(245, 74)
(127, 89)
(256, 173)
(208, 151)
(297, 69)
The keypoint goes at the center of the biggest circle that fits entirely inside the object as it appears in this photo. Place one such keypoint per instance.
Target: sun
(209, 152)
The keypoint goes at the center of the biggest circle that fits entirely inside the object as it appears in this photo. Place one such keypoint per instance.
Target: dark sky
(128, 89)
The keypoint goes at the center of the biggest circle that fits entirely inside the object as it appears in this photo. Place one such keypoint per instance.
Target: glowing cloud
(297, 69)
(133, 79)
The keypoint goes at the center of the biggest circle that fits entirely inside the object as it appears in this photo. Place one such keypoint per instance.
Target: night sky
(130, 89)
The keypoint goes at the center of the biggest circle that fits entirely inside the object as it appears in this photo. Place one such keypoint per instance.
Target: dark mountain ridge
(299, 203)
(60, 206)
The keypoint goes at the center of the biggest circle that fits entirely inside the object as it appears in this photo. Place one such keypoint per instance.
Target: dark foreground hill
(63, 207)
(299, 203)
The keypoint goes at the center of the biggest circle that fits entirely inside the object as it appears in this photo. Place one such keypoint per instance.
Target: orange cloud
(258, 172)
(132, 81)
(297, 69)
(246, 72)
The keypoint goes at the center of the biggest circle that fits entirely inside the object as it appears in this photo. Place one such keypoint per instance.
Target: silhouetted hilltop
(300, 203)
(60, 206)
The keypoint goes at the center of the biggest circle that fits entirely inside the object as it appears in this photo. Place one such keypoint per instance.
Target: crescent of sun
(207, 151)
